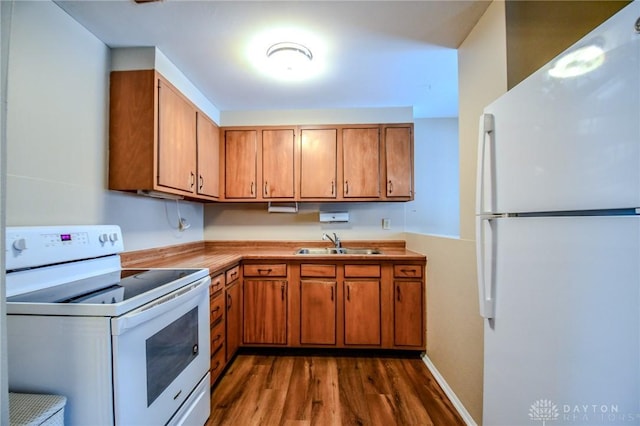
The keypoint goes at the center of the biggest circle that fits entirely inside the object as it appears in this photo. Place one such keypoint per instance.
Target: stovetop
(109, 294)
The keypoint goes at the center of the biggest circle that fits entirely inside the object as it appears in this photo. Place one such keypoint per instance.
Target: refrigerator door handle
(485, 286)
(486, 127)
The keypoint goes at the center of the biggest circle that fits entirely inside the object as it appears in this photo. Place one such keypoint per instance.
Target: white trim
(457, 404)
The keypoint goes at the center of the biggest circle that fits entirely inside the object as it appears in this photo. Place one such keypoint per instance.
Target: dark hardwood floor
(323, 390)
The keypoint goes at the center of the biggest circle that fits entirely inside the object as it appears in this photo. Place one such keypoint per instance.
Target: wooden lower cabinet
(318, 312)
(362, 312)
(234, 319)
(408, 310)
(265, 311)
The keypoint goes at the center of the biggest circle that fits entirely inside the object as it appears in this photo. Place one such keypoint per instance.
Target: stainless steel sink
(336, 250)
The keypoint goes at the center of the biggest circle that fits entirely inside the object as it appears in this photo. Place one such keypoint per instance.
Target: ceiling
(372, 54)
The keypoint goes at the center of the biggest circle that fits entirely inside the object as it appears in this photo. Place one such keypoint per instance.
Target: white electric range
(125, 346)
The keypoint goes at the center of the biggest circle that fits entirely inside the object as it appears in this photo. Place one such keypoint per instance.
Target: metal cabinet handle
(267, 271)
(390, 186)
(215, 311)
(332, 293)
(192, 179)
(266, 191)
(251, 190)
(282, 291)
(201, 181)
(346, 187)
(333, 187)
(229, 302)
(348, 293)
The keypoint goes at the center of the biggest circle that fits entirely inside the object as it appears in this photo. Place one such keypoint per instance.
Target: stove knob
(113, 237)
(103, 238)
(20, 244)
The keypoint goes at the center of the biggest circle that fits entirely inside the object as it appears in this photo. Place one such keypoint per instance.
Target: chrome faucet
(335, 240)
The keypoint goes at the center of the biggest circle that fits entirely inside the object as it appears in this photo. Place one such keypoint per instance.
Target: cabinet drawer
(266, 270)
(407, 271)
(217, 365)
(314, 270)
(233, 274)
(217, 308)
(217, 337)
(355, 271)
(217, 283)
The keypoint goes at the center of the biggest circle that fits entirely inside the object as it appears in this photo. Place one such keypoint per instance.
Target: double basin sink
(337, 250)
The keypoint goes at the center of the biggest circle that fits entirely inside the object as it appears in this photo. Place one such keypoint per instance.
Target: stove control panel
(33, 246)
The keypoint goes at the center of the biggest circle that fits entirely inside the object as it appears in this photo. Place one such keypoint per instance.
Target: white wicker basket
(28, 409)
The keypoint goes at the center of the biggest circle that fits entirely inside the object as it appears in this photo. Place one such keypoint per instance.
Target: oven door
(160, 354)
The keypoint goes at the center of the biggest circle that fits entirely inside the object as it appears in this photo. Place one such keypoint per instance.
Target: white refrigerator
(558, 237)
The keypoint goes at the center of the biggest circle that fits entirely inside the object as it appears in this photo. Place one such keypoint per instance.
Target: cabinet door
(399, 162)
(176, 139)
(362, 312)
(208, 157)
(318, 312)
(408, 313)
(361, 162)
(318, 162)
(277, 163)
(240, 164)
(234, 319)
(265, 307)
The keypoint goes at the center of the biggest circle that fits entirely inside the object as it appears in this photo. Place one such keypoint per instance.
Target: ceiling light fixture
(289, 56)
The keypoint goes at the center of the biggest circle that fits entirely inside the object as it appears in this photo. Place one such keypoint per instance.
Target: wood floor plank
(299, 395)
(325, 408)
(322, 390)
(353, 406)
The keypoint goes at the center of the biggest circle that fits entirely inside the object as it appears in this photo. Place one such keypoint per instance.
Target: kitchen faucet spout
(335, 240)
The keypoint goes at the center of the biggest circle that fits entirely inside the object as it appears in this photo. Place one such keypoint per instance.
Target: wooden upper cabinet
(361, 162)
(278, 150)
(240, 163)
(153, 138)
(208, 137)
(318, 163)
(399, 162)
(176, 139)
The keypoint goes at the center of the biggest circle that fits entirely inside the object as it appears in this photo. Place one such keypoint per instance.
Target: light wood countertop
(219, 255)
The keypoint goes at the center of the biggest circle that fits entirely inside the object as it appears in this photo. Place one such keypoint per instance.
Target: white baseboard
(449, 392)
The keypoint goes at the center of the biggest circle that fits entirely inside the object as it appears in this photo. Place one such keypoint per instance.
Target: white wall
(57, 135)
(454, 326)
(436, 208)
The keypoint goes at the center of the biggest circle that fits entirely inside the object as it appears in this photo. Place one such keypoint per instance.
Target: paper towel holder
(282, 207)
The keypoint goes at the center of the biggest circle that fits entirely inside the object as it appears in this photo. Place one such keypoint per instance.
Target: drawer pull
(348, 293)
(215, 367)
(332, 293)
(398, 291)
(215, 311)
(408, 271)
(218, 337)
(282, 291)
(266, 271)
(229, 302)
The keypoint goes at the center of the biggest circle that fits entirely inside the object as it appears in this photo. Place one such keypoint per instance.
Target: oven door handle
(158, 307)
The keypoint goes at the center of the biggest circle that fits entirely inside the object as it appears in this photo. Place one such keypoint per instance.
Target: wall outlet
(386, 223)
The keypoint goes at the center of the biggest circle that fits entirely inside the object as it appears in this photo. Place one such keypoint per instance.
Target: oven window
(169, 352)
